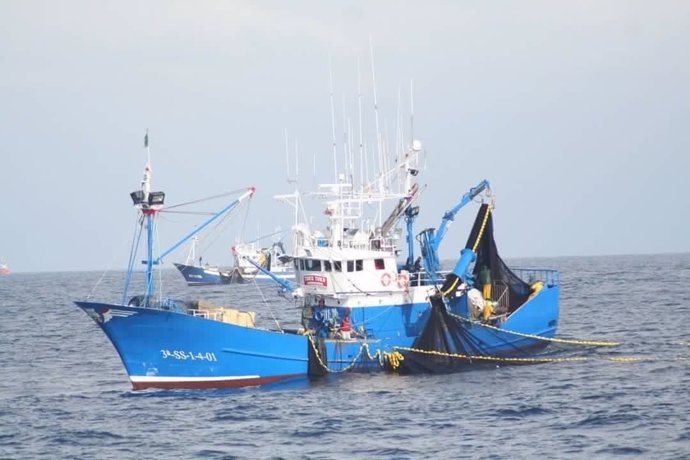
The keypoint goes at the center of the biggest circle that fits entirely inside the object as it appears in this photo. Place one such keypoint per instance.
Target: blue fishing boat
(361, 309)
(273, 258)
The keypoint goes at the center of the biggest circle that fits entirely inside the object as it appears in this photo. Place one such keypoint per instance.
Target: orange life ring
(385, 279)
(403, 280)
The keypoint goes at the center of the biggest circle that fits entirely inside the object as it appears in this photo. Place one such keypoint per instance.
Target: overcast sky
(577, 112)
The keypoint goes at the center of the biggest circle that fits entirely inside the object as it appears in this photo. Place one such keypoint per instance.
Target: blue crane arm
(430, 239)
(250, 191)
(449, 215)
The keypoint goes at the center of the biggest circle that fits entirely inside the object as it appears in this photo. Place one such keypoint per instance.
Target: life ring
(385, 279)
(403, 279)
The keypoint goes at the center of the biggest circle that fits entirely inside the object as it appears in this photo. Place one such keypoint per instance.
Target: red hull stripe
(200, 384)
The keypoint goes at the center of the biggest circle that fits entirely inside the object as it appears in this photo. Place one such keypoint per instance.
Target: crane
(430, 239)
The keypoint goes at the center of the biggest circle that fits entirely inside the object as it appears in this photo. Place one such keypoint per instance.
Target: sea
(64, 393)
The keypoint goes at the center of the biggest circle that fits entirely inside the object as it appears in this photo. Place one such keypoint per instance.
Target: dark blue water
(64, 392)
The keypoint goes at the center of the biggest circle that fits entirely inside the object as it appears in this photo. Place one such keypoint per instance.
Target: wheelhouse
(325, 271)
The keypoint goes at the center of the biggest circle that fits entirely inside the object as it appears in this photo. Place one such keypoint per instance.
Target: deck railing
(216, 315)
(548, 276)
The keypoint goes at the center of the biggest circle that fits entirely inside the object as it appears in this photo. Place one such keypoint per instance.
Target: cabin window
(301, 264)
(327, 265)
(296, 262)
(359, 265)
(312, 265)
(337, 266)
(379, 265)
(350, 265)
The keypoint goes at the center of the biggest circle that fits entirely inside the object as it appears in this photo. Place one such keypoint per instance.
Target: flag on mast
(146, 138)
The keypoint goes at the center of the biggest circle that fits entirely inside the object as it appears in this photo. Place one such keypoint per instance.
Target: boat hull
(452, 342)
(167, 349)
(177, 350)
(199, 276)
(525, 331)
(170, 350)
(205, 276)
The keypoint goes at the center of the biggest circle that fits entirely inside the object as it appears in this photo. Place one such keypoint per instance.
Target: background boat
(273, 258)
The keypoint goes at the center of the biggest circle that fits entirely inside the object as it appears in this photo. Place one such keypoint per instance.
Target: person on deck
(345, 327)
(324, 320)
(417, 265)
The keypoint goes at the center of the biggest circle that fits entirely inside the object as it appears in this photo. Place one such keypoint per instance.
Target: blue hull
(168, 349)
(538, 317)
(200, 276)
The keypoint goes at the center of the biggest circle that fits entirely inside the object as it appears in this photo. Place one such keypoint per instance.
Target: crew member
(345, 327)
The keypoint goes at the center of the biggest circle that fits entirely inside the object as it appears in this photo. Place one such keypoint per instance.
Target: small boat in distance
(198, 273)
(4, 268)
(274, 259)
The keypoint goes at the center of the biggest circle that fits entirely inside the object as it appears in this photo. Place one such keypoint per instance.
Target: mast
(376, 113)
(150, 214)
(335, 149)
(411, 112)
(149, 204)
(361, 142)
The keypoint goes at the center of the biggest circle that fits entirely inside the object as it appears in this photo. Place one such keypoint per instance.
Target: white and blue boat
(361, 308)
(274, 258)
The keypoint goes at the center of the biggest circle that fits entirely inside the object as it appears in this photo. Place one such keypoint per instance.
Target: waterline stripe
(155, 378)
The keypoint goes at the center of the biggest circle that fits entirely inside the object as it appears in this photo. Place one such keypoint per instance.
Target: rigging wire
(263, 298)
(246, 216)
(222, 195)
(132, 255)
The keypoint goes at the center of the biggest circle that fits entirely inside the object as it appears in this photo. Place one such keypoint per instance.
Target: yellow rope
(451, 288)
(394, 358)
(628, 359)
(364, 346)
(481, 230)
(491, 358)
(592, 343)
(498, 359)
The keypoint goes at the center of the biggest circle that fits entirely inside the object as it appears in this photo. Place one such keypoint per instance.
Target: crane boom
(430, 239)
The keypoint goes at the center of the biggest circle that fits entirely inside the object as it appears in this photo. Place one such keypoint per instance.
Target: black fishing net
(234, 277)
(444, 345)
(507, 288)
(447, 343)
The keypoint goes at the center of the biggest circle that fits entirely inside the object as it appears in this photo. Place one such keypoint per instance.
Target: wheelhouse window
(337, 266)
(327, 266)
(379, 265)
(312, 265)
(355, 265)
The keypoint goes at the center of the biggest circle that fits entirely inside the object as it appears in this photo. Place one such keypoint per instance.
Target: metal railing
(548, 276)
(216, 315)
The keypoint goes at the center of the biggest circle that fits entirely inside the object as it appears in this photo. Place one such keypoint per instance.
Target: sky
(576, 112)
